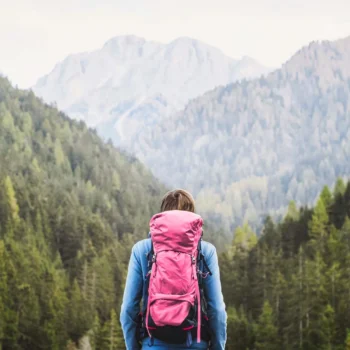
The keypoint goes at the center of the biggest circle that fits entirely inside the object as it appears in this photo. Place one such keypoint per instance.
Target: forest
(72, 206)
(70, 209)
(290, 288)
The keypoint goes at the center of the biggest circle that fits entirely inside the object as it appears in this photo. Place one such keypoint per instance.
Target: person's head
(178, 200)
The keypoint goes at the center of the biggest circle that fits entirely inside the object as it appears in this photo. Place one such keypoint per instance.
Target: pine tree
(328, 328)
(347, 341)
(8, 317)
(347, 199)
(116, 338)
(344, 296)
(3, 293)
(318, 227)
(266, 332)
(79, 320)
(27, 124)
(59, 155)
(232, 321)
(237, 272)
(338, 211)
(238, 329)
(326, 196)
(116, 182)
(12, 208)
(244, 238)
(339, 187)
(7, 121)
(316, 298)
(111, 337)
(318, 224)
(94, 333)
(292, 212)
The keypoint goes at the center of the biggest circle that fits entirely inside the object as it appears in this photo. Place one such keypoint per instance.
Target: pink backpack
(175, 309)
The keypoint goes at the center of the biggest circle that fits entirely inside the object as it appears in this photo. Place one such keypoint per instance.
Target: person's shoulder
(142, 247)
(208, 249)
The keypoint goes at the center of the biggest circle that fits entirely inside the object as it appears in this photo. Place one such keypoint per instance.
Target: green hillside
(70, 208)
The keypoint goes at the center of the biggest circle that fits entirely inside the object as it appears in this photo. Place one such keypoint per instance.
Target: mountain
(131, 82)
(70, 212)
(250, 147)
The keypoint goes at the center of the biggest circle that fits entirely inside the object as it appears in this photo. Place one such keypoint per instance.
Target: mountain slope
(250, 147)
(69, 213)
(131, 82)
(68, 152)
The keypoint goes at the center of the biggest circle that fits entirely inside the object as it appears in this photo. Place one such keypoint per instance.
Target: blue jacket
(133, 295)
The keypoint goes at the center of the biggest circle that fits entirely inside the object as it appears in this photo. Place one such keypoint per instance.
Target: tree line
(290, 289)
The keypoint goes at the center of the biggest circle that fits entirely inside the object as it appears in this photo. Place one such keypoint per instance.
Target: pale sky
(36, 34)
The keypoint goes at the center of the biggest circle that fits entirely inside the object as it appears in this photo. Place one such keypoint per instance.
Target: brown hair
(178, 200)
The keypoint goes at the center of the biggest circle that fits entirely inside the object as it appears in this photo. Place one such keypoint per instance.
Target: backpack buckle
(193, 259)
(154, 258)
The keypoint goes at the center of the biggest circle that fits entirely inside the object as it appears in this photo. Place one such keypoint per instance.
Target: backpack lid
(176, 230)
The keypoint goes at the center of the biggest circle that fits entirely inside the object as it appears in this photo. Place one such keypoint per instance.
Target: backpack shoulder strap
(202, 263)
(149, 256)
(206, 266)
(202, 272)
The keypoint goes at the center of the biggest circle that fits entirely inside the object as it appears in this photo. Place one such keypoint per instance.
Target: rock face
(247, 148)
(131, 82)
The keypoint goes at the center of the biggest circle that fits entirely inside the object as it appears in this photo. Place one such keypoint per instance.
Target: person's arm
(131, 302)
(216, 306)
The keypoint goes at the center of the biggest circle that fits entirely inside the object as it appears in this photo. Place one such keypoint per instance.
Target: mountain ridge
(285, 134)
(95, 86)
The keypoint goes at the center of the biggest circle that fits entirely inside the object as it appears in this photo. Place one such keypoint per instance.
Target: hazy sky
(36, 34)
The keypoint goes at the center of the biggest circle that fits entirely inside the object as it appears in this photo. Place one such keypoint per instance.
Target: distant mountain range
(131, 83)
(248, 148)
(244, 148)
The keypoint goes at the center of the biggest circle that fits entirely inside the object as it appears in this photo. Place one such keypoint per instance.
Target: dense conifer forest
(71, 207)
(291, 288)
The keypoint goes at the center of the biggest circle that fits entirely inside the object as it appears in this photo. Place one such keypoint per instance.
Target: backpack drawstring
(198, 296)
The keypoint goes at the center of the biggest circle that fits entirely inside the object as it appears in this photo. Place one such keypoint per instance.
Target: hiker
(176, 275)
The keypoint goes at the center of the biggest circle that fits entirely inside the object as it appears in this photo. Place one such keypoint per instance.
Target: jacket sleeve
(131, 301)
(216, 306)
